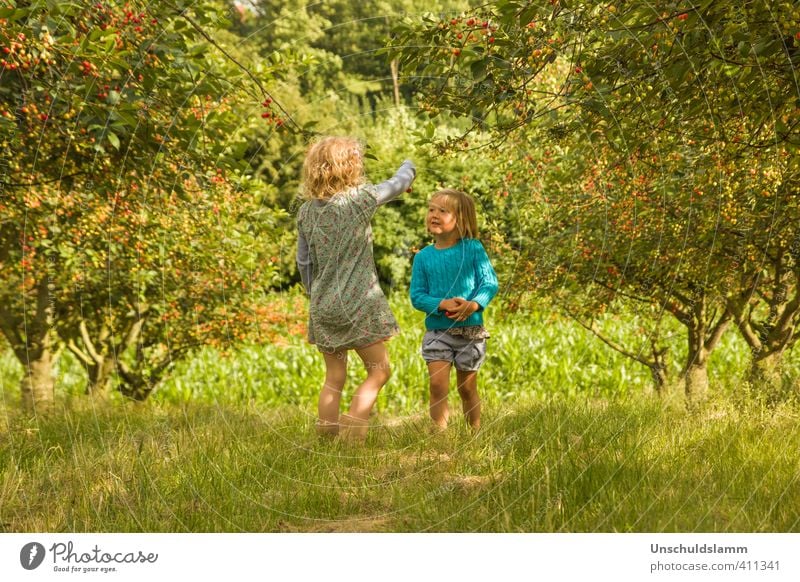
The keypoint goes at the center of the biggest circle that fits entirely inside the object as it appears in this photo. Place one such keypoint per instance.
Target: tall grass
(535, 467)
(572, 441)
(534, 355)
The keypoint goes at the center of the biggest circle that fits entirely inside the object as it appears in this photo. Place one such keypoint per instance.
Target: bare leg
(376, 362)
(439, 372)
(335, 376)
(470, 402)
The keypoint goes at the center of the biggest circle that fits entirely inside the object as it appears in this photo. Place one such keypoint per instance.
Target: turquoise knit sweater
(463, 270)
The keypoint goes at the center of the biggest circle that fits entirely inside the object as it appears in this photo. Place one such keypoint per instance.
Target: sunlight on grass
(560, 466)
(573, 440)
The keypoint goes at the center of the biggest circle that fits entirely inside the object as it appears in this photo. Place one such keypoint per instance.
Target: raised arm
(397, 184)
(304, 264)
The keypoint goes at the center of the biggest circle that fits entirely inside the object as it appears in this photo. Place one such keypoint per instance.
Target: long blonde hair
(463, 207)
(332, 165)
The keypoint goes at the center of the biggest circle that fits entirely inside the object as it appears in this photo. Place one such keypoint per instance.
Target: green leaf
(199, 50)
(112, 137)
(478, 69)
(19, 13)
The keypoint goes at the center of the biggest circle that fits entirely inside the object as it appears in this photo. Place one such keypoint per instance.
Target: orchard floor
(635, 465)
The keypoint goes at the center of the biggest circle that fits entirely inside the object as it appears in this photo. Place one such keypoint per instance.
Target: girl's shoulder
(366, 191)
(303, 210)
(473, 244)
(426, 251)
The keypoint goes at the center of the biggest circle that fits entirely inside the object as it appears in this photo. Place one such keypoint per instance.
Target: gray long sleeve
(304, 264)
(397, 184)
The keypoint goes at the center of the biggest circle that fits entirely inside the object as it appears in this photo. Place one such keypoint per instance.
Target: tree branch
(610, 343)
(73, 347)
(717, 331)
(133, 334)
(736, 306)
(40, 183)
(182, 13)
(87, 341)
(789, 312)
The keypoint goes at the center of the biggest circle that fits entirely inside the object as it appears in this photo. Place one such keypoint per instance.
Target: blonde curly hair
(332, 165)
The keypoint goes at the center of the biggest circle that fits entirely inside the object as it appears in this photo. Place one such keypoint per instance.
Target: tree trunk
(696, 383)
(100, 375)
(133, 385)
(660, 377)
(695, 372)
(38, 383)
(765, 374)
(32, 338)
(705, 326)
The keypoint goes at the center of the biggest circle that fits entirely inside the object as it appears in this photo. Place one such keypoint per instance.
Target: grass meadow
(573, 440)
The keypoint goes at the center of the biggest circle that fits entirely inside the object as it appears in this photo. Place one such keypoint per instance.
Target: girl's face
(439, 219)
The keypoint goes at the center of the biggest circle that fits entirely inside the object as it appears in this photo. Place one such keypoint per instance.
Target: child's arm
(420, 298)
(487, 286)
(397, 184)
(487, 278)
(304, 264)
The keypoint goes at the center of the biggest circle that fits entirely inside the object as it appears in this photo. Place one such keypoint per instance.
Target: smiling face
(440, 220)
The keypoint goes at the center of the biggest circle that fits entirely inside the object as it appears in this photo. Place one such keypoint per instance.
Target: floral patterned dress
(348, 308)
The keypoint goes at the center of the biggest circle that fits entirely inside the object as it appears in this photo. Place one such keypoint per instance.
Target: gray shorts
(466, 354)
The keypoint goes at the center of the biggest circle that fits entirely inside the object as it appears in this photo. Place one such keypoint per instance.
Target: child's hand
(463, 310)
(449, 305)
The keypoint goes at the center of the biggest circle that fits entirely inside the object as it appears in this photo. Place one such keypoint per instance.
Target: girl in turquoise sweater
(452, 282)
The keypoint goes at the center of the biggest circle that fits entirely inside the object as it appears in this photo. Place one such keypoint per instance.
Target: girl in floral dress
(348, 310)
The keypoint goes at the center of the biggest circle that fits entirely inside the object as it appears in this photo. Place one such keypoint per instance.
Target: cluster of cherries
(270, 115)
